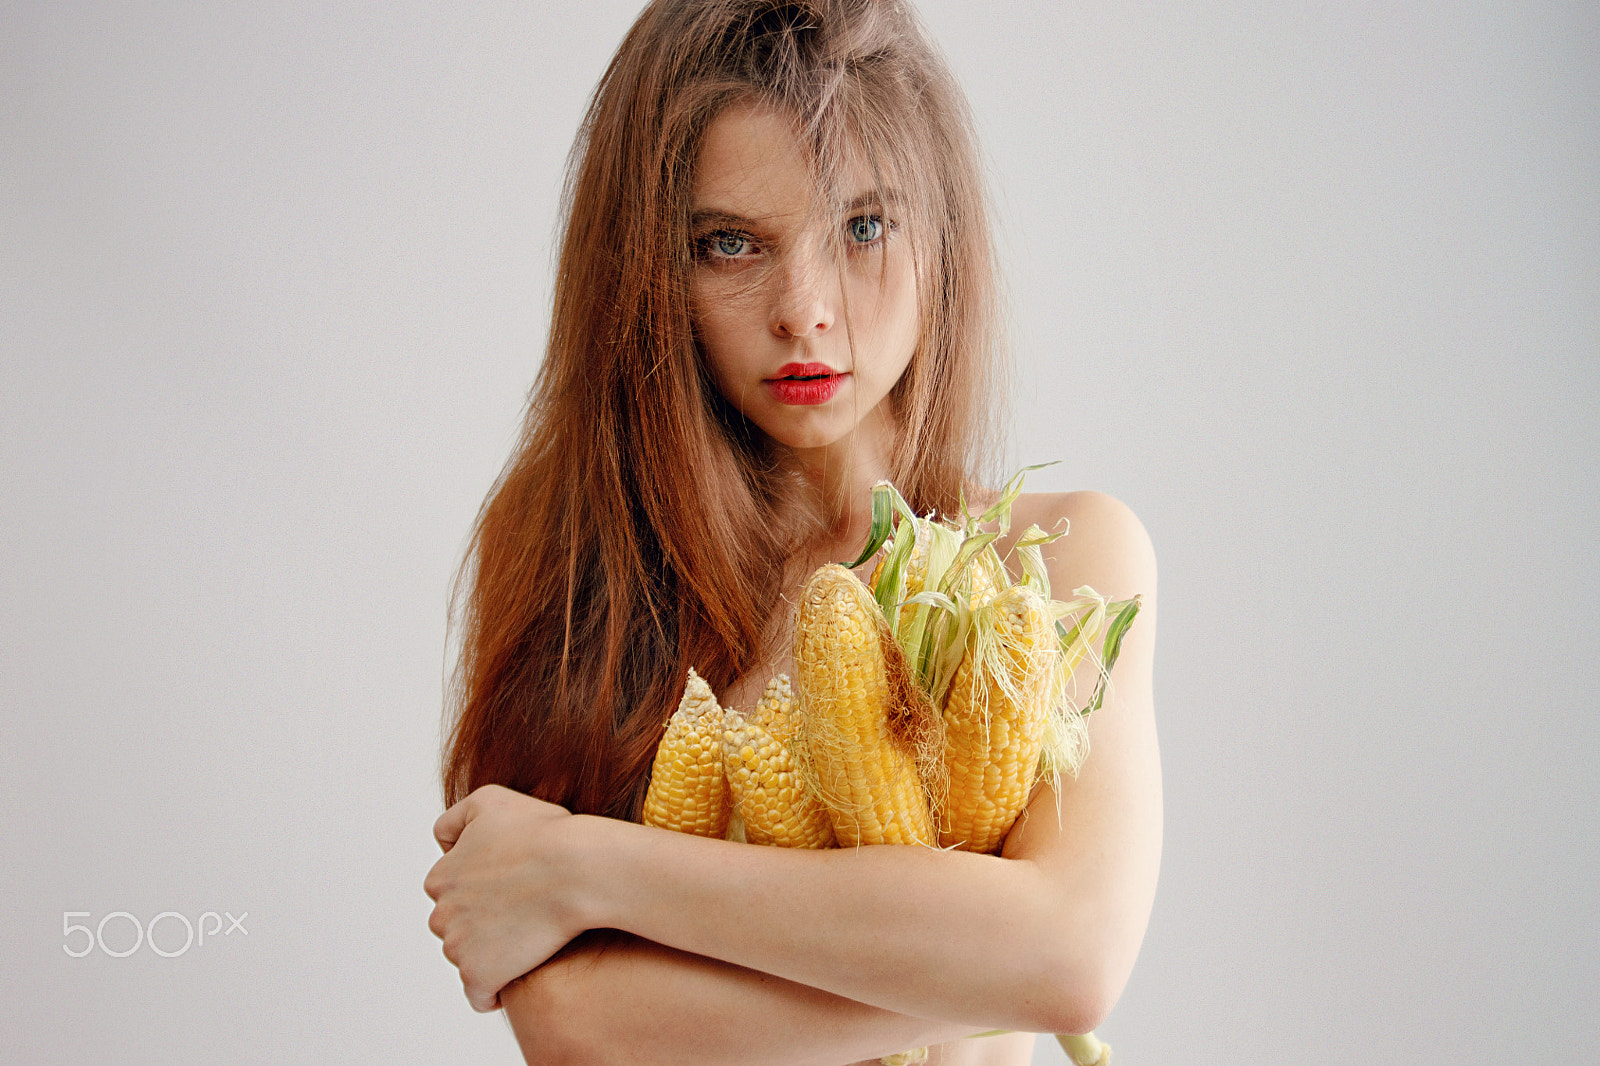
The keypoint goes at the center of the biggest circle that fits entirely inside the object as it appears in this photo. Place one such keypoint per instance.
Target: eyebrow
(703, 219)
(884, 198)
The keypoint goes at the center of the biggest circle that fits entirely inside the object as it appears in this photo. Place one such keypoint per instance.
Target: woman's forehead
(754, 164)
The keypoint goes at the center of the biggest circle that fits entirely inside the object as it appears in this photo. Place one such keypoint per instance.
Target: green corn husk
(935, 626)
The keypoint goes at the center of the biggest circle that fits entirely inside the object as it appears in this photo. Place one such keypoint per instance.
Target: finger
(482, 1000)
(433, 885)
(447, 830)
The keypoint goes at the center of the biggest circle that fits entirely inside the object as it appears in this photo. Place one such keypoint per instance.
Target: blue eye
(726, 244)
(866, 229)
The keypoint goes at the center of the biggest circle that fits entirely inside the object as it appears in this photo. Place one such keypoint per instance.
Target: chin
(805, 437)
(804, 443)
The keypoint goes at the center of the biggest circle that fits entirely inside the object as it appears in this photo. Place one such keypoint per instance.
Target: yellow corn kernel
(774, 711)
(995, 716)
(688, 790)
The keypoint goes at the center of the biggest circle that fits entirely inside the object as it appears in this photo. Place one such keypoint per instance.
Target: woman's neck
(838, 479)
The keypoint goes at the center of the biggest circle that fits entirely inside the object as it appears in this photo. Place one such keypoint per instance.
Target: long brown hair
(632, 533)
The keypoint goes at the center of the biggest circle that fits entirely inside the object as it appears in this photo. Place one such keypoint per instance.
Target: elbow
(1078, 997)
(1074, 1015)
(1074, 1012)
(541, 1020)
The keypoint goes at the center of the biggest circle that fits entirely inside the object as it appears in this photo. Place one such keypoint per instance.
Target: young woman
(774, 290)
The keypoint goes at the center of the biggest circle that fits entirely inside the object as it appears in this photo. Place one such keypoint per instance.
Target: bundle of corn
(929, 705)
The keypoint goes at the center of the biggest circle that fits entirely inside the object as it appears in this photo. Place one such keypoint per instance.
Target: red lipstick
(805, 384)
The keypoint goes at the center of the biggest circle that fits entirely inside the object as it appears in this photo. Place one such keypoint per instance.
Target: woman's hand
(503, 900)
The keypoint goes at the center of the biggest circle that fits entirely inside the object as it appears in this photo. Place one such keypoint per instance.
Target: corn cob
(767, 789)
(854, 717)
(688, 790)
(995, 716)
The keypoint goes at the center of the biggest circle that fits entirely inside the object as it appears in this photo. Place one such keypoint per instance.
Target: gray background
(1313, 287)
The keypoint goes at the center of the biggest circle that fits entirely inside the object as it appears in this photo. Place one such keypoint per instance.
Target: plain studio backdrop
(1311, 286)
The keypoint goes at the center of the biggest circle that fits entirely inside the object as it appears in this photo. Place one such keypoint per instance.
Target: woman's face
(806, 319)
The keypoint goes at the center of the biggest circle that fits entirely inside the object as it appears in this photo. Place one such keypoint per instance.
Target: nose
(806, 296)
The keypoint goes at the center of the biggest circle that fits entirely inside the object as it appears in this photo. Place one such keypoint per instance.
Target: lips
(804, 370)
(805, 384)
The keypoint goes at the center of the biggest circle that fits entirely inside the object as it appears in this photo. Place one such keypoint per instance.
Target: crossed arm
(826, 956)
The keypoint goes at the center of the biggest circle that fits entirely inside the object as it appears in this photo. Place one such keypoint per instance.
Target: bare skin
(737, 954)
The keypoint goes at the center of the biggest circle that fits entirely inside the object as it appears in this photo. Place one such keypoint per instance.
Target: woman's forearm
(630, 1000)
(975, 939)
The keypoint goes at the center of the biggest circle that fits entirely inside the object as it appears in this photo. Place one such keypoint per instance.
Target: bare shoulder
(1106, 545)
